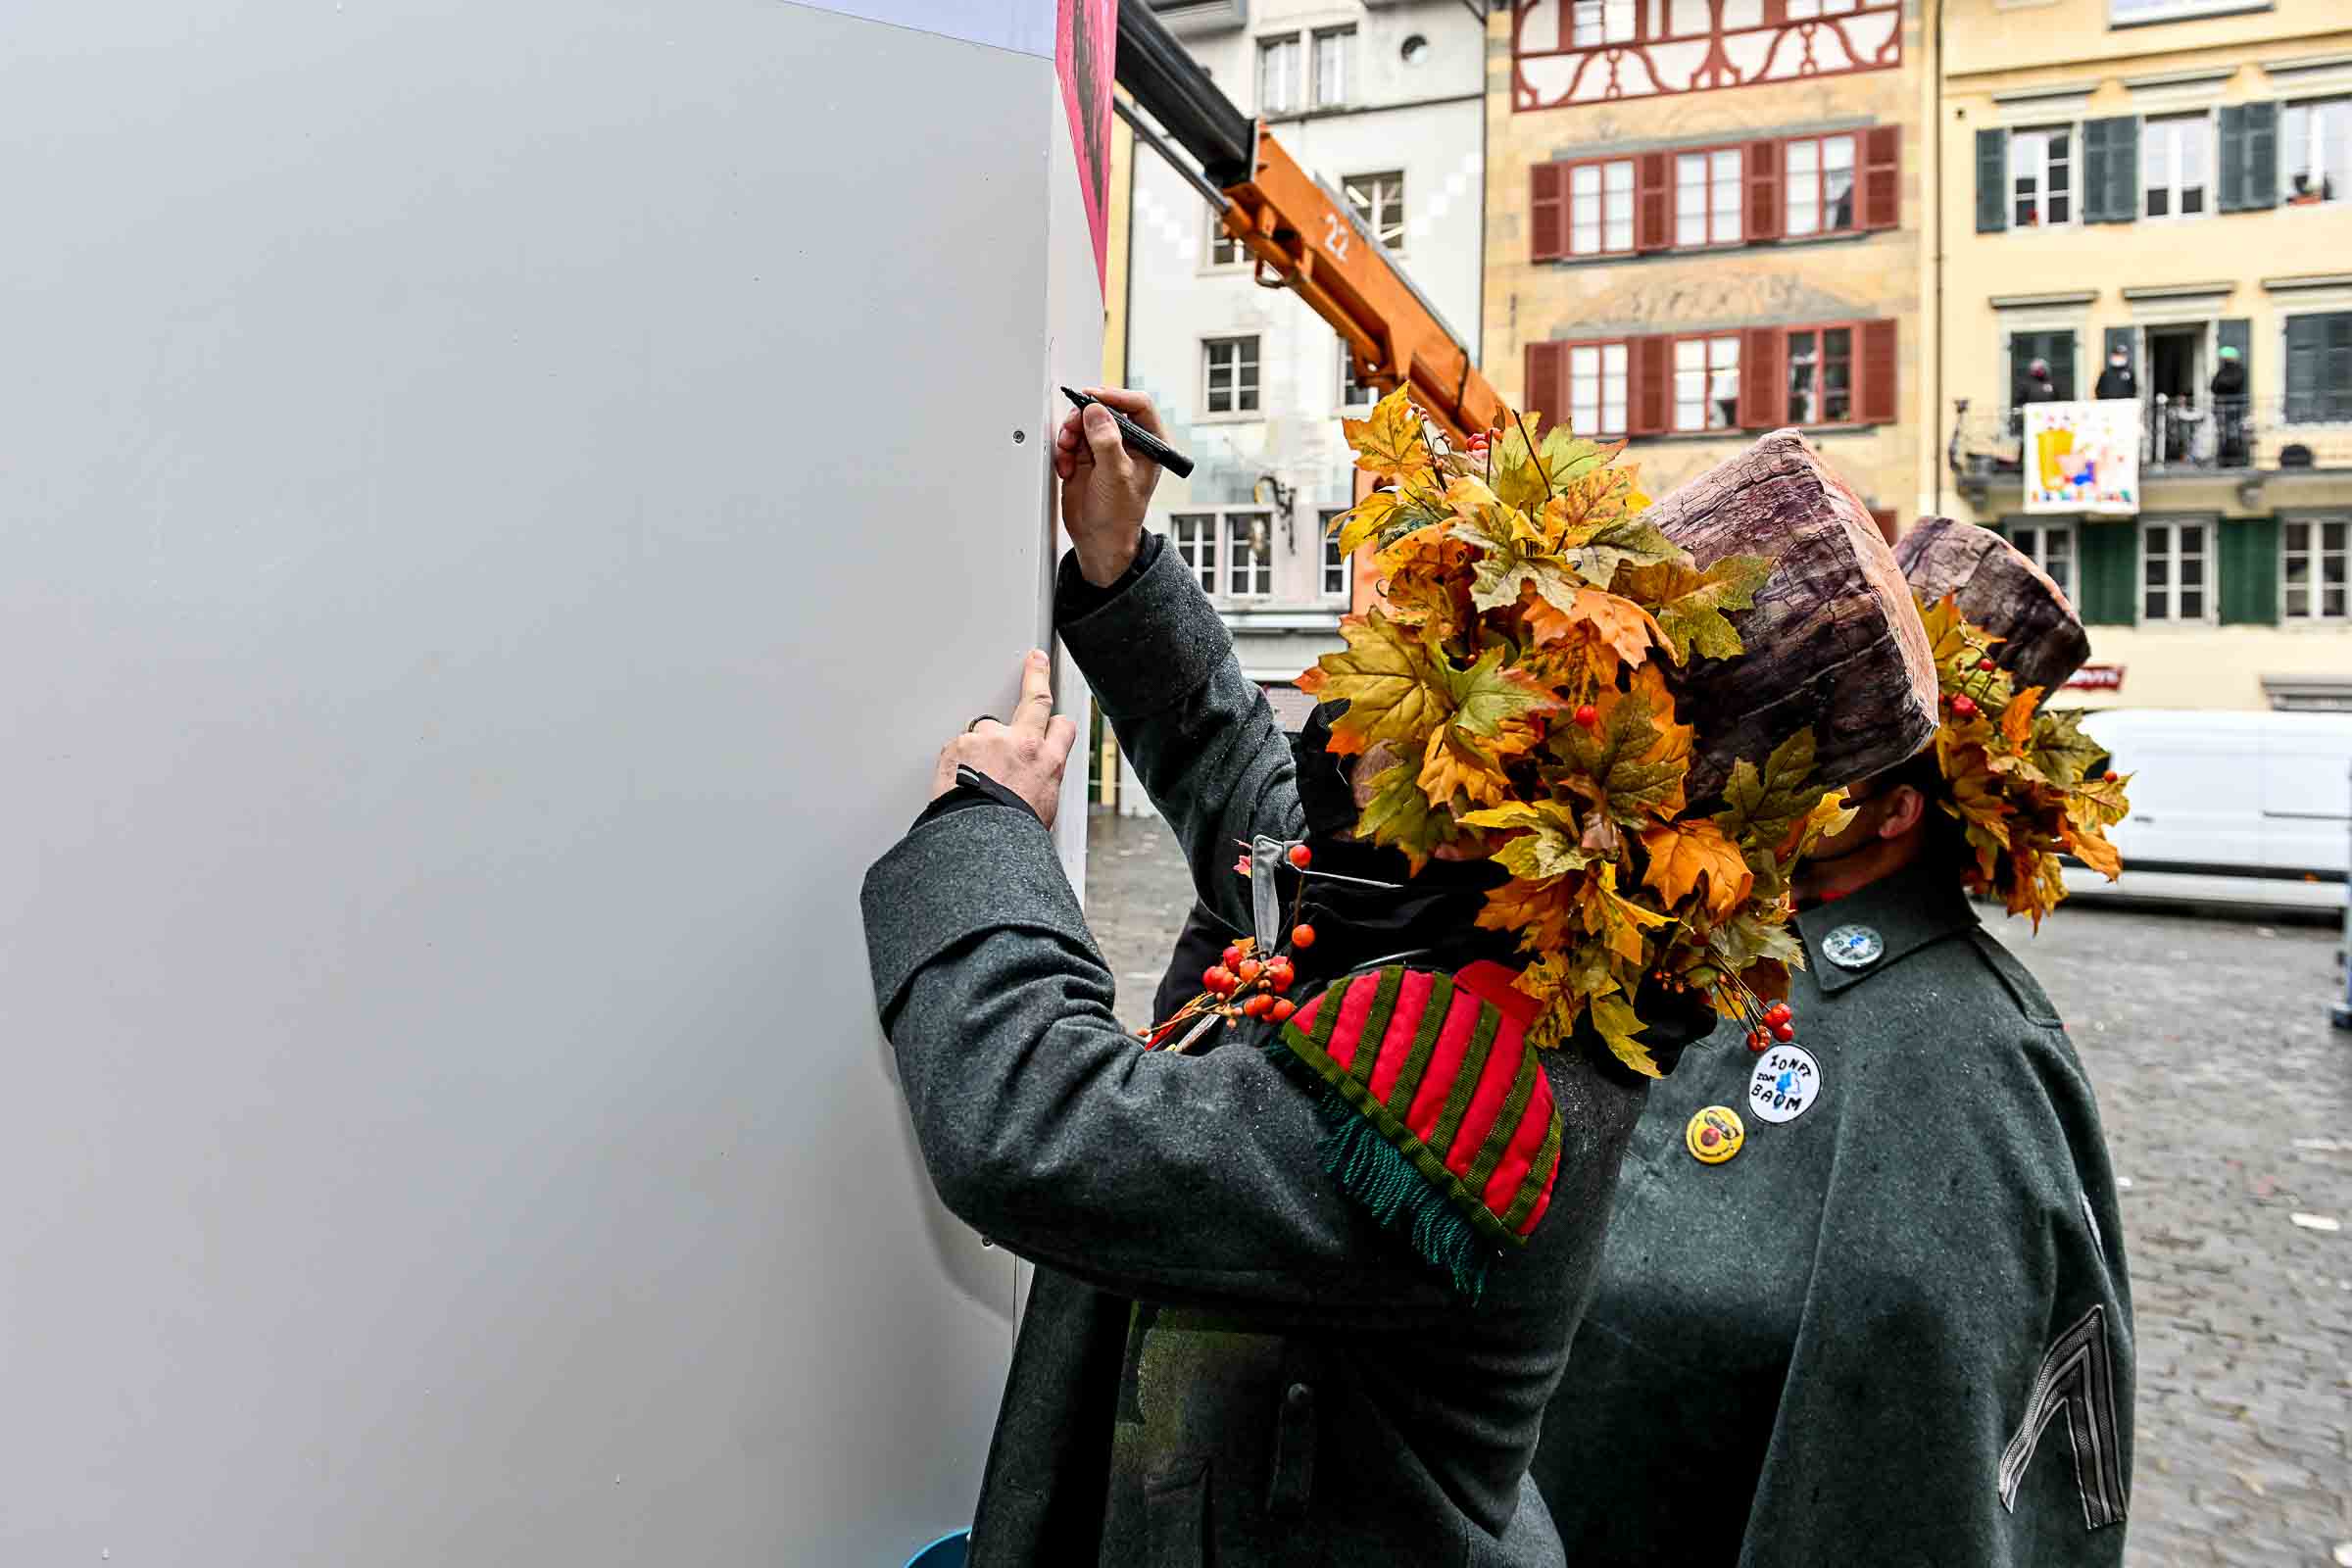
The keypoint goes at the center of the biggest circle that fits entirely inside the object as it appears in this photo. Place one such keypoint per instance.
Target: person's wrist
(1104, 555)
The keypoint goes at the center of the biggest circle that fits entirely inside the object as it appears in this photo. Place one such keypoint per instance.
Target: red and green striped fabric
(1440, 1067)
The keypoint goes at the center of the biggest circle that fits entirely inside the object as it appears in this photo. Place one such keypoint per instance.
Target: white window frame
(1720, 170)
(1807, 10)
(1235, 386)
(1598, 384)
(1329, 89)
(1818, 178)
(2170, 183)
(1718, 355)
(2030, 154)
(1279, 96)
(1194, 536)
(2336, 184)
(1378, 202)
(2136, 12)
(1334, 575)
(2173, 559)
(1247, 573)
(1597, 185)
(2314, 553)
(1367, 393)
(1592, 24)
(2050, 544)
(1220, 238)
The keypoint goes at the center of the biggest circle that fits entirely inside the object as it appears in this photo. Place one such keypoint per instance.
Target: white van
(2236, 807)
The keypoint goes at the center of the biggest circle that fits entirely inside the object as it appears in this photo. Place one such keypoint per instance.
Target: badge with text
(1853, 947)
(1714, 1135)
(1787, 1079)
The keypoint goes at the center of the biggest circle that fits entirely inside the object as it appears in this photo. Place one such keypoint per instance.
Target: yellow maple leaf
(1681, 852)
(2016, 719)
(1451, 762)
(1385, 676)
(1362, 523)
(1389, 441)
(1538, 912)
(1616, 920)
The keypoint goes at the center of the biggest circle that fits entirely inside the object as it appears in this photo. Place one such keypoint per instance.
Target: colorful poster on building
(2082, 457)
(1085, 53)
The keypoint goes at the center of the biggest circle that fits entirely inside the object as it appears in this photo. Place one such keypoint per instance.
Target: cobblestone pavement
(2228, 1101)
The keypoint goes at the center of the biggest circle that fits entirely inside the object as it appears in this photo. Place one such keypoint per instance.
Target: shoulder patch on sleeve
(1440, 1118)
(2031, 1000)
(2076, 1379)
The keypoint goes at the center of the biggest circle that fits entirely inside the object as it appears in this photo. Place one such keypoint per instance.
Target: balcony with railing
(2247, 439)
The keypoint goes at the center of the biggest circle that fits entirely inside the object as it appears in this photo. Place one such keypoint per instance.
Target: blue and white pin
(1853, 947)
(1786, 1083)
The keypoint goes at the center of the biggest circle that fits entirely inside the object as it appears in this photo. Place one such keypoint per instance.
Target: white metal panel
(501, 504)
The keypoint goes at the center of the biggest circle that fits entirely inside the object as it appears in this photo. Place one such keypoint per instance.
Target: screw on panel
(1019, 436)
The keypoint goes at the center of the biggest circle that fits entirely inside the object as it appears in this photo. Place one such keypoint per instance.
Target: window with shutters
(1248, 556)
(1820, 186)
(1708, 187)
(2056, 349)
(1597, 388)
(2319, 368)
(2175, 156)
(1706, 382)
(2173, 565)
(1378, 200)
(1335, 565)
(2041, 178)
(1193, 537)
(1278, 62)
(1229, 374)
(1600, 208)
(2049, 546)
(1821, 375)
(1335, 60)
(2311, 569)
(2314, 146)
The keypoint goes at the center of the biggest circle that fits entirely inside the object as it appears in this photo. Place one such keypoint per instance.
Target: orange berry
(1282, 1009)
(1303, 937)
(1248, 970)
(1301, 854)
(1258, 1006)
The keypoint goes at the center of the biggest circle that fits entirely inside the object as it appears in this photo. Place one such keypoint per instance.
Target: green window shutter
(2250, 565)
(2306, 342)
(1992, 182)
(2111, 169)
(2249, 161)
(2108, 556)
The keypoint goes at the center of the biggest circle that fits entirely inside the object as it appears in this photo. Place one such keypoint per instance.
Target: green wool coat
(1895, 1327)
(1291, 1382)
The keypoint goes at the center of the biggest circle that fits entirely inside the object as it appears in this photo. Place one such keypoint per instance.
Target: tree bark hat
(2001, 590)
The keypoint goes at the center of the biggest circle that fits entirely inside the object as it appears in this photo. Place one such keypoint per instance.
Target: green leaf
(2059, 749)
(1399, 816)
(1386, 675)
(1770, 802)
(1691, 604)
(1626, 542)
(1634, 760)
(1487, 695)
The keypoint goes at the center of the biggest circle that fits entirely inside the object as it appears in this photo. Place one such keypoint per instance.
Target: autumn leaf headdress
(2025, 783)
(1515, 682)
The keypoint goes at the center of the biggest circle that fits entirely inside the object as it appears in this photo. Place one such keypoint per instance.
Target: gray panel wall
(502, 502)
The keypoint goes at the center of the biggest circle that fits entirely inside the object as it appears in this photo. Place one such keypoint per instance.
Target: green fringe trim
(1376, 1174)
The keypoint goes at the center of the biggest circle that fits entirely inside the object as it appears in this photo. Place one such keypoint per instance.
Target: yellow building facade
(2170, 180)
(1703, 221)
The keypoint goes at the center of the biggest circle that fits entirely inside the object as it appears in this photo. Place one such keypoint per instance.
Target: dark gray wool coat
(1895, 1327)
(1293, 1383)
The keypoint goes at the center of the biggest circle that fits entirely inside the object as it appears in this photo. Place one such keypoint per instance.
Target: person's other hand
(1027, 756)
(1105, 488)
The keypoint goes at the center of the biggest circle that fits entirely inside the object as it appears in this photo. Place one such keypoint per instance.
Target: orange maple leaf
(1682, 853)
(1617, 622)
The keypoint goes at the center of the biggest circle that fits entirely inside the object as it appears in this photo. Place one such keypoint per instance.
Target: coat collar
(1921, 903)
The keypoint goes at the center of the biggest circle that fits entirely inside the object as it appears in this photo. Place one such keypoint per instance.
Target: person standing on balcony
(2229, 389)
(2038, 387)
(2118, 379)
(1884, 1316)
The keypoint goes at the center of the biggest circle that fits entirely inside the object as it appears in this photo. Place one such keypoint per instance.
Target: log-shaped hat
(1998, 588)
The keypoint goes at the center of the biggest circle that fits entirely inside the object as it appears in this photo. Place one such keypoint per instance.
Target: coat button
(1300, 1396)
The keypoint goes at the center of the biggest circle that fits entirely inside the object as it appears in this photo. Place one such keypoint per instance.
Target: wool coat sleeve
(1045, 1126)
(1198, 732)
(1960, 1387)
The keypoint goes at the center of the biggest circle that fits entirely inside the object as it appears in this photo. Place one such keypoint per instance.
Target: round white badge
(1853, 947)
(1787, 1082)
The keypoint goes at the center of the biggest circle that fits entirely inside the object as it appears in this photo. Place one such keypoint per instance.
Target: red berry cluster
(1779, 1023)
(1242, 983)
(1259, 983)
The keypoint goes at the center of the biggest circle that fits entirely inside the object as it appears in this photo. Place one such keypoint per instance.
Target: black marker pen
(1138, 440)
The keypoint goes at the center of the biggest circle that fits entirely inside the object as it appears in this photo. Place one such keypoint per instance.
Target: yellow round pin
(1714, 1135)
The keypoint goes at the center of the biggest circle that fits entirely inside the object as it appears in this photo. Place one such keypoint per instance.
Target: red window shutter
(1547, 212)
(1649, 389)
(1654, 205)
(1763, 190)
(1881, 178)
(1875, 397)
(1548, 381)
(1763, 360)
